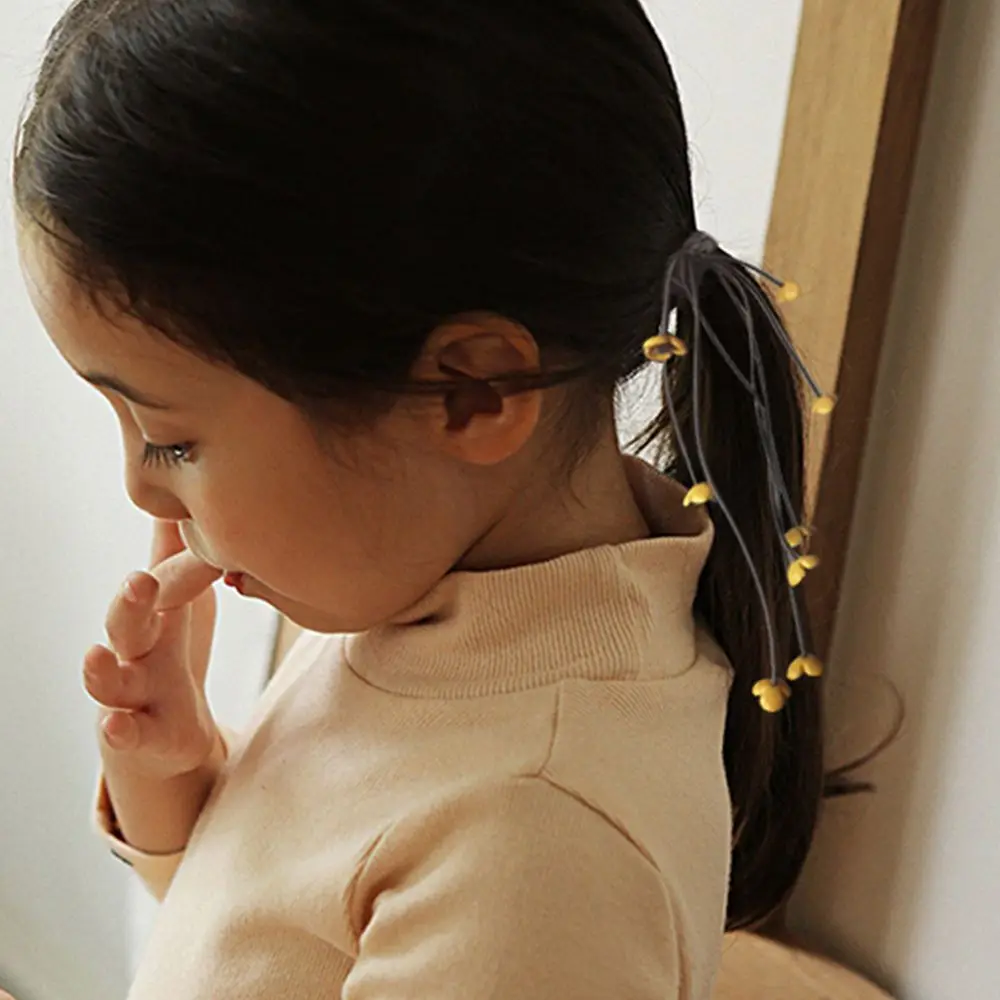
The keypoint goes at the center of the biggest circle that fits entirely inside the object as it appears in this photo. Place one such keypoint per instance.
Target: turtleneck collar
(612, 612)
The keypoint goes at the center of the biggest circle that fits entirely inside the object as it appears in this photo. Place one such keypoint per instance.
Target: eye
(168, 455)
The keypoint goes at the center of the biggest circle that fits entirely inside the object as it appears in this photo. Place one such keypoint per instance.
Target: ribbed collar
(613, 612)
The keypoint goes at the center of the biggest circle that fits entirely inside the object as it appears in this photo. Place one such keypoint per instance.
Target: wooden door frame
(859, 84)
(856, 105)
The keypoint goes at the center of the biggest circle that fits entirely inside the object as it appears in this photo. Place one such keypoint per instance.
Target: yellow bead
(773, 701)
(699, 495)
(805, 666)
(772, 697)
(664, 347)
(789, 292)
(813, 666)
(796, 538)
(824, 406)
(656, 349)
(678, 346)
(797, 570)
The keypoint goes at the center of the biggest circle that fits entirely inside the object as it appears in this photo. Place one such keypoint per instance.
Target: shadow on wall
(863, 892)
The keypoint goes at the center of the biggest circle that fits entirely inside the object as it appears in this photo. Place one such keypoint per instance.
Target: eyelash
(169, 455)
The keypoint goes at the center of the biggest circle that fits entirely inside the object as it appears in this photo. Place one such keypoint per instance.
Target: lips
(235, 580)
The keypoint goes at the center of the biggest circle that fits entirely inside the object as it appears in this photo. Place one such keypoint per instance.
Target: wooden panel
(856, 104)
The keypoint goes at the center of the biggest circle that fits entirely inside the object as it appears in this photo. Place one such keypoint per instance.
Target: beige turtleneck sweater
(512, 791)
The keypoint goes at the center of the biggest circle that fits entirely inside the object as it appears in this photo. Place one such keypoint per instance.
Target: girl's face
(338, 534)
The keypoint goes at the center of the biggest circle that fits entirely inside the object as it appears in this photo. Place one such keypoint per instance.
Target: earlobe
(485, 425)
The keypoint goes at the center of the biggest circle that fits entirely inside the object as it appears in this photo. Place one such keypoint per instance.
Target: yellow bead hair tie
(682, 311)
(773, 697)
(663, 347)
(798, 569)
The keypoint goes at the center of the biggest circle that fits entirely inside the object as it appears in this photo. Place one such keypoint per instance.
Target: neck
(539, 518)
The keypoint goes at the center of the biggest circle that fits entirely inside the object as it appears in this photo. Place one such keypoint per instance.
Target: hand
(150, 679)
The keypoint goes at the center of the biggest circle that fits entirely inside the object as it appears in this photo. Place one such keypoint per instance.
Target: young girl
(361, 280)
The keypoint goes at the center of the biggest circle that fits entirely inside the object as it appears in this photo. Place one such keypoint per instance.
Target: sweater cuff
(156, 871)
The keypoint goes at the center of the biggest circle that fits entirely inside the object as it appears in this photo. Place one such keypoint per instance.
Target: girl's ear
(478, 421)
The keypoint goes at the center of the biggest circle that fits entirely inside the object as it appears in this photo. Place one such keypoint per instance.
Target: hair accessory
(810, 666)
(701, 255)
(797, 536)
(798, 569)
(699, 495)
(663, 347)
(773, 695)
(789, 291)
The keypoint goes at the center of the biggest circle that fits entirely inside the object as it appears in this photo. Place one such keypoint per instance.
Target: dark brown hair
(304, 191)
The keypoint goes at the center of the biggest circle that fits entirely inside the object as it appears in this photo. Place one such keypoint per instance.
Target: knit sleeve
(155, 871)
(518, 893)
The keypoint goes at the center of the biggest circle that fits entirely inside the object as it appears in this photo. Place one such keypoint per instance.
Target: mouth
(235, 580)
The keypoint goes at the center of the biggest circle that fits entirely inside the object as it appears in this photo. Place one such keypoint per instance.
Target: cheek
(267, 514)
(227, 522)
(324, 535)
(361, 537)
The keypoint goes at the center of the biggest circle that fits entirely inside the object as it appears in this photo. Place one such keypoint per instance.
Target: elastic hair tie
(701, 255)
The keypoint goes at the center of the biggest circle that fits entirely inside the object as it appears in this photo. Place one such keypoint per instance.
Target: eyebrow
(116, 385)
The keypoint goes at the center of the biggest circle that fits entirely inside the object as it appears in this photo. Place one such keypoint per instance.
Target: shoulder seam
(542, 775)
(556, 716)
(598, 811)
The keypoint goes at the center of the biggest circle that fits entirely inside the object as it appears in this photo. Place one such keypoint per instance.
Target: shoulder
(520, 823)
(526, 891)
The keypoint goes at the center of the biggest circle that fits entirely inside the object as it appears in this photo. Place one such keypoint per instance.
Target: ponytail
(774, 762)
(710, 428)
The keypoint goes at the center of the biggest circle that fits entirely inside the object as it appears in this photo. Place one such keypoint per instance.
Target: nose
(151, 497)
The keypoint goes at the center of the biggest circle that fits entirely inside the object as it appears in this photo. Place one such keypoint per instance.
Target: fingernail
(129, 592)
(120, 731)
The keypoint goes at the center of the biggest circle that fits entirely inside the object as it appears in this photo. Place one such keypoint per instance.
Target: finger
(201, 635)
(123, 730)
(112, 684)
(182, 578)
(167, 541)
(153, 736)
(132, 624)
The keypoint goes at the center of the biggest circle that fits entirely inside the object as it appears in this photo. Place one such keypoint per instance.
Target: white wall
(733, 66)
(906, 883)
(67, 537)
(69, 926)
(733, 63)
